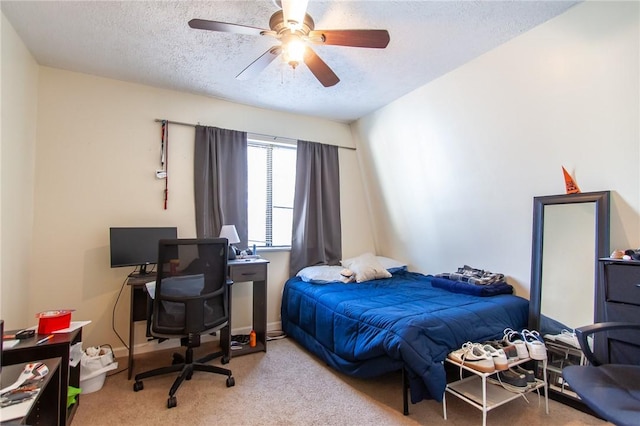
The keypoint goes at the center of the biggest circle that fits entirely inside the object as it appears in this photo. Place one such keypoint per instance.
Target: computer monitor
(137, 246)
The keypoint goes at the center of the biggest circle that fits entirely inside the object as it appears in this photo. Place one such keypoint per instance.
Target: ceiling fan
(295, 30)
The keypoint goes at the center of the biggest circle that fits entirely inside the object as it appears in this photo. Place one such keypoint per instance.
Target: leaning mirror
(570, 234)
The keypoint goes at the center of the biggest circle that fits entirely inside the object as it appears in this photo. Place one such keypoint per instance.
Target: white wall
(451, 168)
(19, 76)
(97, 151)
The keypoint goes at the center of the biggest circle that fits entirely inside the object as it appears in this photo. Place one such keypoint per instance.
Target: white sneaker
(514, 338)
(473, 356)
(565, 337)
(569, 338)
(535, 345)
(499, 357)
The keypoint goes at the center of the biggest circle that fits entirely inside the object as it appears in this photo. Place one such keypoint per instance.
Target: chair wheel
(188, 377)
(138, 386)
(231, 381)
(172, 402)
(225, 360)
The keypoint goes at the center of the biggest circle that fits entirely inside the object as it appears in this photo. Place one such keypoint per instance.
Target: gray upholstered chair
(611, 390)
(190, 298)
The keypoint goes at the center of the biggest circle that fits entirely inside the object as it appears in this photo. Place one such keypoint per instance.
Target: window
(272, 172)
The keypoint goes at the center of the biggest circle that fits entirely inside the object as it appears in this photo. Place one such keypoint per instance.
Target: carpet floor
(289, 386)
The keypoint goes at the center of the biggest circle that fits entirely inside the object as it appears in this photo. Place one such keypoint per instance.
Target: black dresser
(618, 299)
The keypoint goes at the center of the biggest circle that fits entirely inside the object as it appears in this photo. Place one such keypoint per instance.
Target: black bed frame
(405, 392)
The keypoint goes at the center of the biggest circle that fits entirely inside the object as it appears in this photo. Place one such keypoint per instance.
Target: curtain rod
(180, 123)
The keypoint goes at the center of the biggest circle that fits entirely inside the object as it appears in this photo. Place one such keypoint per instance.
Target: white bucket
(93, 369)
(93, 384)
(94, 381)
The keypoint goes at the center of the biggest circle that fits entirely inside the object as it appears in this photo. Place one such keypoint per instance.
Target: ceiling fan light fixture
(294, 12)
(295, 30)
(293, 51)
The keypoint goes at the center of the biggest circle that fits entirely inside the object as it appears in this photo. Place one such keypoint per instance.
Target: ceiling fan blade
(378, 39)
(203, 24)
(319, 68)
(259, 64)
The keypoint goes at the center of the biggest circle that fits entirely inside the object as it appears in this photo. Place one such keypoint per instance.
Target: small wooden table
(44, 408)
(255, 271)
(57, 347)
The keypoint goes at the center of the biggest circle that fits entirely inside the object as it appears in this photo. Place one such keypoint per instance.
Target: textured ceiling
(150, 43)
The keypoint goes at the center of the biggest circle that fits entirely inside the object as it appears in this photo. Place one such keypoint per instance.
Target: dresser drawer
(248, 272)
(623, 283)
(623, 346)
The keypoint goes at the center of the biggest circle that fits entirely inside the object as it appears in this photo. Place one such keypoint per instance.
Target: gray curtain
(221, 182)
(317, 234)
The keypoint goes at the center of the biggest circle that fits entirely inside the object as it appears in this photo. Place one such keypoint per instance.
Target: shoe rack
(485, 395)
(560, 355)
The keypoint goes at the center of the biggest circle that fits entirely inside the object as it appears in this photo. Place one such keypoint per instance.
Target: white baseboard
(154, 345)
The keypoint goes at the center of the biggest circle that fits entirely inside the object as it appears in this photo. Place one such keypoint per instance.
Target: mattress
(372, 328)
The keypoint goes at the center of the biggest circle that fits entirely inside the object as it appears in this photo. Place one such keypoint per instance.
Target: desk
(254, 270)
(137, 311)
(58, 347)
(44, 409)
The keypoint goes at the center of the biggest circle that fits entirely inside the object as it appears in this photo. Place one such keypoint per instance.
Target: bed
(398, 323)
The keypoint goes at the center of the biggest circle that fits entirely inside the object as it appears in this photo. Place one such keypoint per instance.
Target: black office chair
(611, 390)
(191, 299)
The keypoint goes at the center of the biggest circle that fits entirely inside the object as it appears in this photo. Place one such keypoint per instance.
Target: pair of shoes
(535, 345)
(500, 361)
(528, 343)
(515, 338)
(509, 349)
(529, 375)
(510, 380)
(513, 378)
(567, 337)
(473, 356)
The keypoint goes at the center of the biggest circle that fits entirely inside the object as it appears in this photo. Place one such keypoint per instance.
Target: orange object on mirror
(570, 184)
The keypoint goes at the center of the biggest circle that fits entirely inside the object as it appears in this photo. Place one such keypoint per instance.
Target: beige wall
(96, 153)
(451, 168)
(19, 77)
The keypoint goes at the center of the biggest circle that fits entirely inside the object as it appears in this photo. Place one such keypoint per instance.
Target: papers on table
(16, 411)
(6, 344)
(74, 325)
(151, 289)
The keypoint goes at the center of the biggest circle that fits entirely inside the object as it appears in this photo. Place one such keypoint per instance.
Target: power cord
(113, 313)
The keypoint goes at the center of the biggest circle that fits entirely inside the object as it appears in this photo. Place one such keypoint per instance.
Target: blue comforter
(372, 328)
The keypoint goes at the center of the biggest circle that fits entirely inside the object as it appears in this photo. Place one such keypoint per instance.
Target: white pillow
(391, 265)
(366, 267)
(323, 274)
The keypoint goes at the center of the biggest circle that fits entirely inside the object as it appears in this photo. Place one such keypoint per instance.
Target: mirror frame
(602, 219)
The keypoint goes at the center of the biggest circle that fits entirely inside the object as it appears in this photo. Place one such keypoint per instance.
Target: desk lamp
(230, 233)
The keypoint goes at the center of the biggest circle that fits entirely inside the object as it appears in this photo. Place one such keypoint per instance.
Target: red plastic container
(50, 321)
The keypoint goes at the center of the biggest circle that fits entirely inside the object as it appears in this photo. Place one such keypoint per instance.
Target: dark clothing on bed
(474, 289)
(471, 275)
